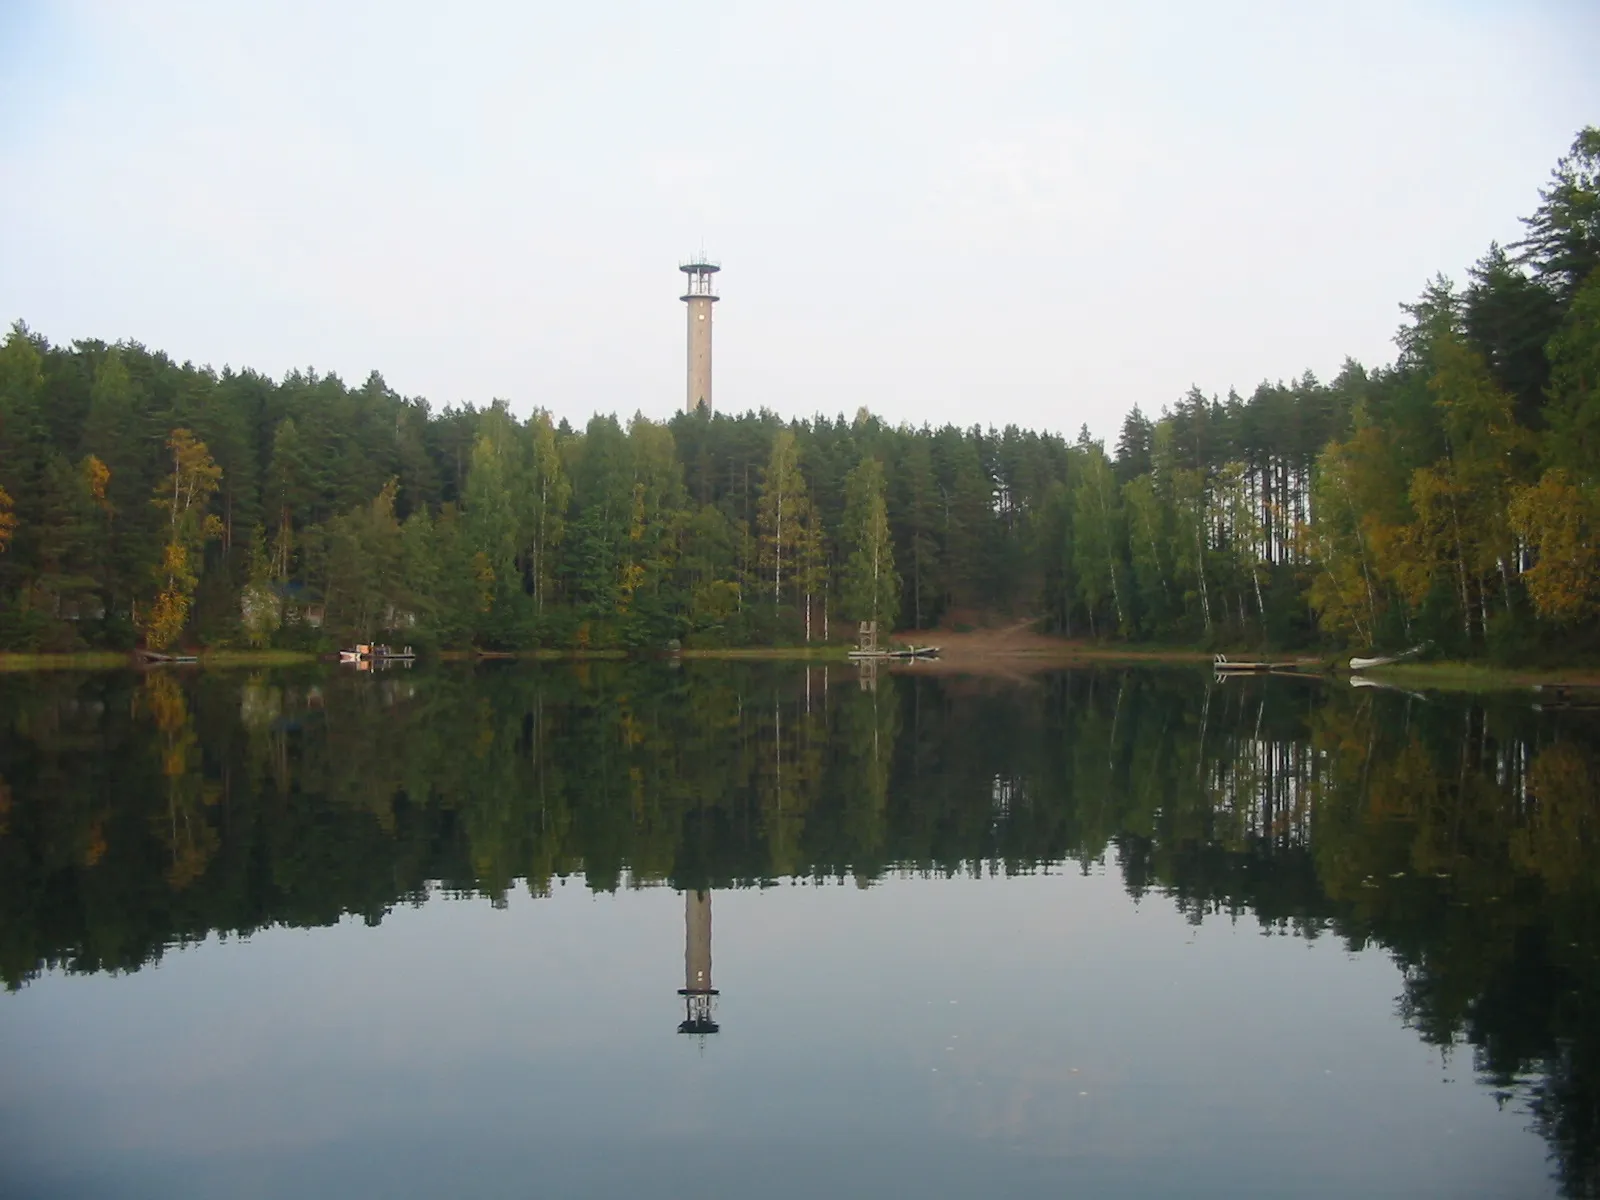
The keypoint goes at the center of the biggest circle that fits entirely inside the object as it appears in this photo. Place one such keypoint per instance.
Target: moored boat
(908, 652)
(376, 652)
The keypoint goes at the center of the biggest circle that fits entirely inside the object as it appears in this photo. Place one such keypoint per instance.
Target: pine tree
(1573, 441)
(920, 514)
(291, 491)
(1563, 242)
(118, 432)
(967, 520)
(602, 506)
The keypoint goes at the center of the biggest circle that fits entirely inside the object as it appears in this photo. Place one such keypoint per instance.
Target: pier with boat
(367, 655)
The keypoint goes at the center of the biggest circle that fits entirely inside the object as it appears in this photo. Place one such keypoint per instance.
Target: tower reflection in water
(699, 997)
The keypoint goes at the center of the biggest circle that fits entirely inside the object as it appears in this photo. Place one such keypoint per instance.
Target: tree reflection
(141, 812)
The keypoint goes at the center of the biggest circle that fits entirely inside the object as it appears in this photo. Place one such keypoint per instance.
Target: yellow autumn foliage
(8, 520)
(166, 617)
(1560, 522)
(183, 495)
(96, 478)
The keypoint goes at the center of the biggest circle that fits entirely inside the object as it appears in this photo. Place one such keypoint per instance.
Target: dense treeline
(1460, 835)
(1453, 496)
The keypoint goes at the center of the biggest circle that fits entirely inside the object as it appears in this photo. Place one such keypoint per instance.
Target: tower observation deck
(699, 296)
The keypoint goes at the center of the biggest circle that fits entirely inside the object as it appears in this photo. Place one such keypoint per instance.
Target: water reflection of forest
(1463, 836)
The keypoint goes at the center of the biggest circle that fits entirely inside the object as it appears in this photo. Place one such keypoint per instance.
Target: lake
(737, 929)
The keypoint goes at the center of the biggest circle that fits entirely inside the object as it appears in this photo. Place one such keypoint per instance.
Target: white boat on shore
(1361, 664)
(368, 653)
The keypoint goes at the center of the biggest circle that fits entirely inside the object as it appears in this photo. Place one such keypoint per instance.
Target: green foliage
(781, 516)
(1448, 496)
(870, 588)
(1098, 539)
(261, 610)
(1574, 412)
(1563, 242)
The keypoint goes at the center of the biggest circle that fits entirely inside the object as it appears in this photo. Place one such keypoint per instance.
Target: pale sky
(975, 213)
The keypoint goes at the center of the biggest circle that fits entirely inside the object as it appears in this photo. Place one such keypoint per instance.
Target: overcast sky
(978, 213)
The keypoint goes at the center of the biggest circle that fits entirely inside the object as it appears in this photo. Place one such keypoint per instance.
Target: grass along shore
(108, 660)
(1478, 677)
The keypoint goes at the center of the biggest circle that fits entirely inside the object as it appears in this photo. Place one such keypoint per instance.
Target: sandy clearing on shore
(1019, 648)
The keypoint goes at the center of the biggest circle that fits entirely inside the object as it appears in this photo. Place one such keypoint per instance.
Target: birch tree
(183, 496)
(870, 589)
(781, 517)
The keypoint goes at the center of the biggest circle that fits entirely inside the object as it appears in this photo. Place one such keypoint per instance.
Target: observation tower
(699, 296)
(699, 997)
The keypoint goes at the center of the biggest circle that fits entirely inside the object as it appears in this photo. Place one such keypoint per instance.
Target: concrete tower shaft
(699, 297)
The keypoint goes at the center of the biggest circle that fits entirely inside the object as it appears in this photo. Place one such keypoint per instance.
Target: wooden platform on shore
(892, 655)
(1229, 666)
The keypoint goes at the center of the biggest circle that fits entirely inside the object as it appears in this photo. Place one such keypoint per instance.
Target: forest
(1449, 497)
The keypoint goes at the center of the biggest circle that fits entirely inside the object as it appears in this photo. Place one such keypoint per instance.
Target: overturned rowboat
(154, 658)
(1361, 664)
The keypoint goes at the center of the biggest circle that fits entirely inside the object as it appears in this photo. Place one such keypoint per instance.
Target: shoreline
(979, 653)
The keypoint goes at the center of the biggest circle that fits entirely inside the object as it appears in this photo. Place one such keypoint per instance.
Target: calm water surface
(1119, 933)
